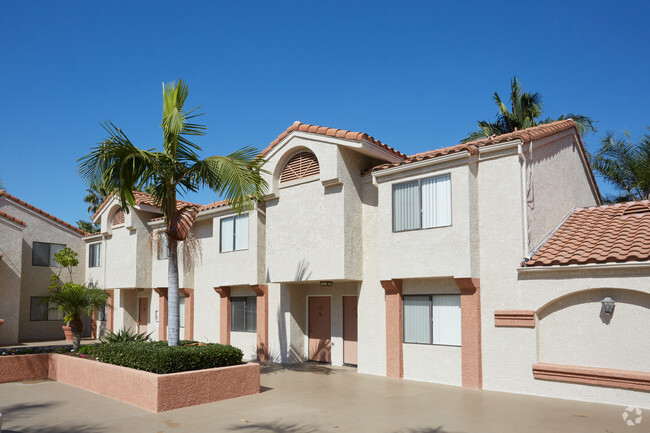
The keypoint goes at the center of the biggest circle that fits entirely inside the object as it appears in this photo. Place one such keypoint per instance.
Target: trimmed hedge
(157, 357)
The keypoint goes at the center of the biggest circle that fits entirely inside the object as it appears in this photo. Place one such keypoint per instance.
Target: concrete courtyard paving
(310, 398)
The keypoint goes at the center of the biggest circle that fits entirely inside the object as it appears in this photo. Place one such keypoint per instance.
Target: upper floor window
(95, 255)
(234, 233)
(243, 314)
(432, 319)
(43, 253)
(118, 217)
(301, 165)
(422, 203)
(163, 248)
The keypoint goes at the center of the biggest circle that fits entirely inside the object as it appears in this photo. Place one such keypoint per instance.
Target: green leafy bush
(158, 357)
(124, 335)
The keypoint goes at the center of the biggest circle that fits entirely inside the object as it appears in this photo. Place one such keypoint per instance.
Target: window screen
(432, 319)
(43, 253)
(243, 314)
(423, 203)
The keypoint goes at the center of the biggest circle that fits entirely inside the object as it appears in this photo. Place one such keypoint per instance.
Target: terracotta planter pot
(2, 321)
(68, 333)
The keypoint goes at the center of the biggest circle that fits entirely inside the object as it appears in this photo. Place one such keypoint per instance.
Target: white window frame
(97, 255)
(431, 321)
(235, 219)
(419, 205)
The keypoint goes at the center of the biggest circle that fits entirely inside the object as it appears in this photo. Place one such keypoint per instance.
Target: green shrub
(124, 335)
(157, 357)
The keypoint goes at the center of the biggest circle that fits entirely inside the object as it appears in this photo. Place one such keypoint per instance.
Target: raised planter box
(154, 392)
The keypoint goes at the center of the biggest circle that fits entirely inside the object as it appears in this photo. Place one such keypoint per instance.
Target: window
(243, 314)
(432, 319)
(422, 203)
(43, 253)
(299, 166)
(95, 255)
(40, 310)
(181, 311)
(234, 233)
(162, 246)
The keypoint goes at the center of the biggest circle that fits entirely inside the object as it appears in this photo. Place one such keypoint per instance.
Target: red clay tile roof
(214, 205)
(604, 234)
(42, 212)
(92, 234)
(12, 218)
(144, 198)
(332, 132)
(525, 135)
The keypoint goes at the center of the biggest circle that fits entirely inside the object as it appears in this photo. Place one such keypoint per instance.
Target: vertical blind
(227, 234)
(181, 311)
(422, 203)
(417, 322)
(432, 319)
(94, 253)
(243, 314)
(446, 320)
(241, 232)
(234, 233)
(43, 253)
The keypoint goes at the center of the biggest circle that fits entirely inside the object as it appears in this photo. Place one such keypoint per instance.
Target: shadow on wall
(302, 271)
(294, 355)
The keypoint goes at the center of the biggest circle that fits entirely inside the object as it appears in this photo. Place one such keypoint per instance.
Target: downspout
(524, 201)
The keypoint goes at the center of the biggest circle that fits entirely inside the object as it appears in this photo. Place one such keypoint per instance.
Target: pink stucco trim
(189, 313)
(262, 292)
(162, 313)
(514, 318)
(110, 320)
(154, 392)
(224, 314)
(470, 311)
(609, 377)
(23, 367)
(394, 329)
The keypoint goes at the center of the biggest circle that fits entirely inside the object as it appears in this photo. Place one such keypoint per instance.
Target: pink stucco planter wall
(154, 392)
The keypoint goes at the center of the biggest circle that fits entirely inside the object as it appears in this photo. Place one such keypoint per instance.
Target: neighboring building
(424, 267)
(29, 237)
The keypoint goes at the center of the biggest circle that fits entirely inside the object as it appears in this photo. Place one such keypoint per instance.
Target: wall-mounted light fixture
(608, 305)
(326, 283)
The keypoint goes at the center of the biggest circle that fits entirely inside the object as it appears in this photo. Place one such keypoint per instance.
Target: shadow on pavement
(57, 429)
(275, 427)
(303, 367)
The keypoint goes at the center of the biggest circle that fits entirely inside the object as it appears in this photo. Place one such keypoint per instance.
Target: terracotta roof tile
(12, 218)
(91, 234)
(214, 205)
(611, 233)
(42, 212)
(144, 198)
(332, 132)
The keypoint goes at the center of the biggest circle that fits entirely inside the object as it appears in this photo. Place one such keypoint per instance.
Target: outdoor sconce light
(608, 305)
(326, 283)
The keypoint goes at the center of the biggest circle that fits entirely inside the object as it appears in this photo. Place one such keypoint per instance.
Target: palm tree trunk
(172, 294)
(76, 326)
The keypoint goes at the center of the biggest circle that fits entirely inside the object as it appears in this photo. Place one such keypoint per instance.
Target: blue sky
(416, 75)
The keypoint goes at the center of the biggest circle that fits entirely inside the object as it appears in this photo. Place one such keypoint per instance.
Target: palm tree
(526, 110)
(95, 196)
(73, 300)
(624, 164)
(123, 168)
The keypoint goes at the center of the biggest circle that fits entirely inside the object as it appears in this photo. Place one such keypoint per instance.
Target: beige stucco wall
(557, 183)
(11, 244)
(439, 251)
(246, 341)
(35, 279)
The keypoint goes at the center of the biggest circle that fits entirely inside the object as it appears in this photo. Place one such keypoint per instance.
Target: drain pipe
(524, 201)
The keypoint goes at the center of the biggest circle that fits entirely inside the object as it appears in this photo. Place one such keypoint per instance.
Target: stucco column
(394, 329)
(162, 313)
(110, 311)
(262, 291)
(93, 323)
(189, 313)
(224, 314)
(470, 310)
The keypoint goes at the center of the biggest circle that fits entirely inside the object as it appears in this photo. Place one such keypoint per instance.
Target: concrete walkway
(311, 398)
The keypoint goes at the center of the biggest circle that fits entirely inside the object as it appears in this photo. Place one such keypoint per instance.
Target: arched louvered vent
(636, 209)
(301, 165)
(118, 217)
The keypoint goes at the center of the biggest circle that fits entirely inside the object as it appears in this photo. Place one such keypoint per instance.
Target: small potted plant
(73, 300)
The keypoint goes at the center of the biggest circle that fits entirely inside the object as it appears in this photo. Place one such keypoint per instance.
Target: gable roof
(332, 132)
(12, 218)
(605, 234)
(525, 135)
(41, 212)
(143, 198)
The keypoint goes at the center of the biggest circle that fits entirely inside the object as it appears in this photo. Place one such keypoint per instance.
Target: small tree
(73, 300)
